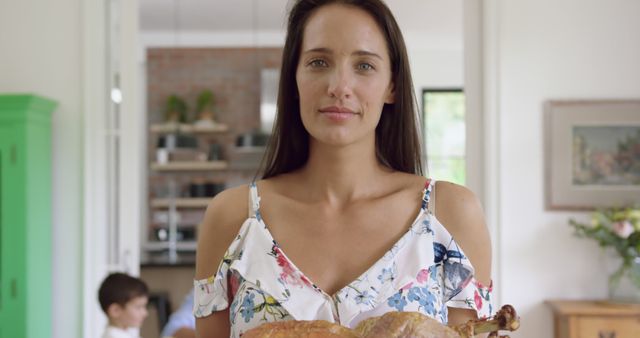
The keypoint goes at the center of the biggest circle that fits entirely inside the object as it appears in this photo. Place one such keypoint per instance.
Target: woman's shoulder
(223, 218)
(460, 212)
(457, 207)
(230, 204)
(403, 180)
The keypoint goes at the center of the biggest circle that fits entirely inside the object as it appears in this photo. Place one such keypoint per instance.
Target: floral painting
(606, 155)
(592, 154)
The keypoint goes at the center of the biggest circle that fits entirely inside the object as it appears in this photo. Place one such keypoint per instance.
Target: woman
(342, 195)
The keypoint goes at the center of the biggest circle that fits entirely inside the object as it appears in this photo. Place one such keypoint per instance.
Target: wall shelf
(190, 166)
(188, 128)
(181, 202)
(181, 246)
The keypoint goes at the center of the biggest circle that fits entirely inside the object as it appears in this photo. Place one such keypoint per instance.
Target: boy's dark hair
(120, 288)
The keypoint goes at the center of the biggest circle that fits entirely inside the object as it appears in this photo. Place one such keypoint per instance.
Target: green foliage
(206, 100)
(176, 109)
(619, 229)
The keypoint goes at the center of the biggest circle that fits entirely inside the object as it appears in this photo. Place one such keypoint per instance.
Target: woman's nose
(340, 83)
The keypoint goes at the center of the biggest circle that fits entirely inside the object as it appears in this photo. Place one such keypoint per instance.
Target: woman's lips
(337, 113)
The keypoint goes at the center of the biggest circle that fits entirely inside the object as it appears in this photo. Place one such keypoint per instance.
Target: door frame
(121, 249)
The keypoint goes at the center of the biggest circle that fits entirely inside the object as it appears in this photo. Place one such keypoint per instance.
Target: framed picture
(592, 151)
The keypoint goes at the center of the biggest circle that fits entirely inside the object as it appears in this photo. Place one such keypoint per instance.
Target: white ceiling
(211, 15)
(436, 18)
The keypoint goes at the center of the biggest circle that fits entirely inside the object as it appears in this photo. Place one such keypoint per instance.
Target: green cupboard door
(13, 242)
(25, 216)
(2, 321)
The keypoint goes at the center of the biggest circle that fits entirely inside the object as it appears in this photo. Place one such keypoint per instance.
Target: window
(444, 133)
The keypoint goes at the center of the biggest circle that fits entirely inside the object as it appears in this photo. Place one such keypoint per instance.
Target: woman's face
(343, 75)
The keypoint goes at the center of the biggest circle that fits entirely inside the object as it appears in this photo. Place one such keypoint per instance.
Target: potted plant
(204, 107)
(175, 110)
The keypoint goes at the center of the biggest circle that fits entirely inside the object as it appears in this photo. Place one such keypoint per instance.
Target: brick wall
(233, 75)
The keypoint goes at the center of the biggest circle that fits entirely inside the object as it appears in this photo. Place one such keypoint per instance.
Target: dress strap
(426, 195)
(432, 197)
(254, 200)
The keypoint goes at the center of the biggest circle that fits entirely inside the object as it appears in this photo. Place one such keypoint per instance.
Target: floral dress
(425, 271)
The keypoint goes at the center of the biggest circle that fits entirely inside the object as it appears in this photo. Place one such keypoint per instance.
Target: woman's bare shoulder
(284, 185)
(458, 209)
(458, 205)
(460, 212)
(230, 205)
(223, 218)
(409, 182)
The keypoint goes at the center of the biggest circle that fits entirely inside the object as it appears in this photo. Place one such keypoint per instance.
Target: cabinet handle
(14, 289)
(607, 334)
(13, 154)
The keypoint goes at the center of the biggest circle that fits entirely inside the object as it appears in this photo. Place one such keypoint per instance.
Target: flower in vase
(623, 228)
(618, 229)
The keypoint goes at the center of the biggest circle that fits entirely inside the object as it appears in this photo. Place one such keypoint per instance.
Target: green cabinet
(25, 216)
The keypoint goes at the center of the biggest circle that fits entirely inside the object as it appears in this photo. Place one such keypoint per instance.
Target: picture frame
(592, 154)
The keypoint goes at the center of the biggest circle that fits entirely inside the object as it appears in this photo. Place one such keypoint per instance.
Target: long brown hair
(397, 140)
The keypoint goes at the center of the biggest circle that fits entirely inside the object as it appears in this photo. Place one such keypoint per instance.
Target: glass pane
(445, 130)
(450, 169)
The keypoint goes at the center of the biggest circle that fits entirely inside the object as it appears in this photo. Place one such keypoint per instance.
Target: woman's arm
(460, 212)
(222, 220)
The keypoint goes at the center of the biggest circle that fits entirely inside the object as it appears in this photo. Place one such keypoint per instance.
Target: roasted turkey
(390, 325)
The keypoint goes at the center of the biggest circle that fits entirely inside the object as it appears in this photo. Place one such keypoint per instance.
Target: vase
(624, 284)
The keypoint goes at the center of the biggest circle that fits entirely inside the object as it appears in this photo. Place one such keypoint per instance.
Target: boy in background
(124, 300)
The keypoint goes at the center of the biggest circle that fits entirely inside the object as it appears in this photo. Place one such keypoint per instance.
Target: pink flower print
(423, 276)
(283, 262)
(407, 287)
(481, 286)
(478, 300)
(306, 281)
(623, 228)
(289, 275)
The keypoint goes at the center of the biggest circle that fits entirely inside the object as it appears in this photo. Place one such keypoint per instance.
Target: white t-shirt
(116, 332)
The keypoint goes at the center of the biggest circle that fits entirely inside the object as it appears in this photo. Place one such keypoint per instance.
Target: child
(124, 300)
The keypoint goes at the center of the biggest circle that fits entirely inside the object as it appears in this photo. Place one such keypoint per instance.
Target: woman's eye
(365, 66)
(317, 63)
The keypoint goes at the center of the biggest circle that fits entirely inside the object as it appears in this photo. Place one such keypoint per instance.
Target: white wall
(548, 49)
(432, 68)
(40, 52)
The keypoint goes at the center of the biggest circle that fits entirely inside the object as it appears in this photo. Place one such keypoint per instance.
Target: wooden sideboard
(595, 319)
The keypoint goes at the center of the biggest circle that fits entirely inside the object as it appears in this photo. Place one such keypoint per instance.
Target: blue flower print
(364, 298)
(425, 227)
(246, 309)
(428, 302)
(232, 309)
(444, 315)
(455, 254)
(456, 277)
(439, 252)
(424, 297)
(414, 294)
(434, 273)
(397, 301)
(386, 275)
